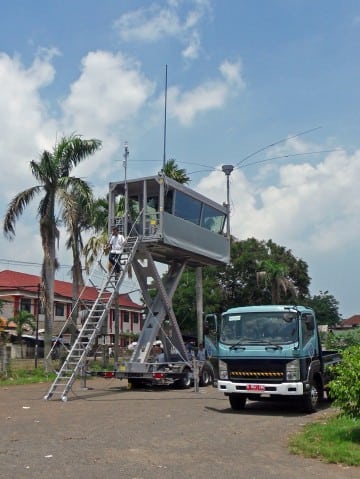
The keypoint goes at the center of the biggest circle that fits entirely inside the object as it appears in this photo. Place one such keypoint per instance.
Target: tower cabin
(173, 221)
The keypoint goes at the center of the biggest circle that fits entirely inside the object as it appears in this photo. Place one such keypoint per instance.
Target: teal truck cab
(270, 351)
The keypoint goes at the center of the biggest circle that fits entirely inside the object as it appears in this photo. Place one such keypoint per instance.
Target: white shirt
(116, 243)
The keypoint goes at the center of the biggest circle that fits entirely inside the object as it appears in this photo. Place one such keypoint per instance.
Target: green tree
(326, 308)
(240, 279)
(99, 221)
(236, 284)
(342, 340)
(23, 319)
(345, 387)
(52, 173)
(77, 216)
(275, 276)
(172, 170)
(184, 301)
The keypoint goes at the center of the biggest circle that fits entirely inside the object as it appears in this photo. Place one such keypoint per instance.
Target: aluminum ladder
(75, 361)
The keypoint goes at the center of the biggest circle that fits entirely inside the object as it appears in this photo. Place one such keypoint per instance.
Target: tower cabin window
(199, 213)
(187, 208)
(212, 219)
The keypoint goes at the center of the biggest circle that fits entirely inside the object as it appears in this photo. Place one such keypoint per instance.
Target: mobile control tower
(166, 225)
(175, 227)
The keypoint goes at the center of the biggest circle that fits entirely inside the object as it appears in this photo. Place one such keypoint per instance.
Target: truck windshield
(259, 328)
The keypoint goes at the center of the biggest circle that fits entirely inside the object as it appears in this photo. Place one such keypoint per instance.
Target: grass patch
(26, 376)
(335, 441)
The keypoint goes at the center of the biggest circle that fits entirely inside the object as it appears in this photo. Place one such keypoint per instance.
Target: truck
(271, 351)
(173, 370)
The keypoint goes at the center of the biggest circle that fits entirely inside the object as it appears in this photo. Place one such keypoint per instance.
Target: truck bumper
(282, 389)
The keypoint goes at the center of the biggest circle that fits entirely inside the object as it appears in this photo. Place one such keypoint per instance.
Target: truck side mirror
(210, 325)
(310, 323)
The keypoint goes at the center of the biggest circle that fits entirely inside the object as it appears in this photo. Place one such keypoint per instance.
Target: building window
(135, 318)
(59, 309)
(25, 304)
(126, 316)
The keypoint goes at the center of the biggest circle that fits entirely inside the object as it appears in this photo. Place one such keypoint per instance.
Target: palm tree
(172, 170)
(76, 214)
(99, 222)
(275, 276)
(52, 172)
(23, 319)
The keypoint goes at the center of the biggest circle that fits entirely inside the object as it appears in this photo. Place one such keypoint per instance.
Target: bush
(342, 340)
(345, 387)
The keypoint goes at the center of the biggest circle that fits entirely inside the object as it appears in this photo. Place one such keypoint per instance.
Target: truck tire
(237, 401)
(185, 381)
(135, 384)
(206, 376)
(310, 402)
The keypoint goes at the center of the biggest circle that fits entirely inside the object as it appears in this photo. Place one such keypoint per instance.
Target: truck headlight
(293, 370)
(223, 371)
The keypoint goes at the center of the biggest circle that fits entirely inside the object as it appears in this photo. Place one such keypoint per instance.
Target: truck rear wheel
(206, 376)
(237, 401)
(185, 381)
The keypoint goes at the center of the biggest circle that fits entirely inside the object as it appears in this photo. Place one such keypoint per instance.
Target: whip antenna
(164, 152)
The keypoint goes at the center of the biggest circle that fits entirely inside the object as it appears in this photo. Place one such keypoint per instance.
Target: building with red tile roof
(21, 291)
(352, 322)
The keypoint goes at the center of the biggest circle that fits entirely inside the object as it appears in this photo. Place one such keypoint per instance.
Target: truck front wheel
(311, 401)
(237, 401)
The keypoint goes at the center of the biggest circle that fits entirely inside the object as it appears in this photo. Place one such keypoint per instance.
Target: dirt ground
(107, 431)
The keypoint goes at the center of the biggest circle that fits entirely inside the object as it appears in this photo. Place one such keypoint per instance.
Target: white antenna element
(164, 152)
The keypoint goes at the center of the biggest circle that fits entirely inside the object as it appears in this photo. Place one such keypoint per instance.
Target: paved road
(109, 432)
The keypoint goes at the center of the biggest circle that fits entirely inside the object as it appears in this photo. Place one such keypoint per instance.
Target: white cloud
(232, 73)
(208, 96)
(110, 91)
(311, 208)
(160, 20)
(25, 127)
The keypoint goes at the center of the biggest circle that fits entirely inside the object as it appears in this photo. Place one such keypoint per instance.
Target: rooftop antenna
(164, 152)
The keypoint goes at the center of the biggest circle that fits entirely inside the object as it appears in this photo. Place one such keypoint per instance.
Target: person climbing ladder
(116, 245)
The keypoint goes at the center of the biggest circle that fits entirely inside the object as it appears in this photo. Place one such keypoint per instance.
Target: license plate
(255, 387)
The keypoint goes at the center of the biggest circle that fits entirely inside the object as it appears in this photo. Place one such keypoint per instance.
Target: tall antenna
(164, 152)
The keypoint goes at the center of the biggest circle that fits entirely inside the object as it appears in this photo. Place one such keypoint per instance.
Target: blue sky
(241, 76)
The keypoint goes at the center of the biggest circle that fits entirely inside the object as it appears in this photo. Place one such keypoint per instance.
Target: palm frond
(16, 208)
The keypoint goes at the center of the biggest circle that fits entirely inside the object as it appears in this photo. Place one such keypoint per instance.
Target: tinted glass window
(212, 219)
(187, 208)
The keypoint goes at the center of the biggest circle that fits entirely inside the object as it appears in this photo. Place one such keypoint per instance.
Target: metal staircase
(77, 356)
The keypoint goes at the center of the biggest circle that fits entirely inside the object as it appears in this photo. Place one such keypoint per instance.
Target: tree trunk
(47, 288)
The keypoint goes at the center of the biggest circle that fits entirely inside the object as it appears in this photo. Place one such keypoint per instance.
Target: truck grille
(256, 375)
(256, 370)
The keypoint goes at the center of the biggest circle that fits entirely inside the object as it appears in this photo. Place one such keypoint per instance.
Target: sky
(268, 86)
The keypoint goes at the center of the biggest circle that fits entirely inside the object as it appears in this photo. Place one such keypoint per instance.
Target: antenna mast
(164, 152)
